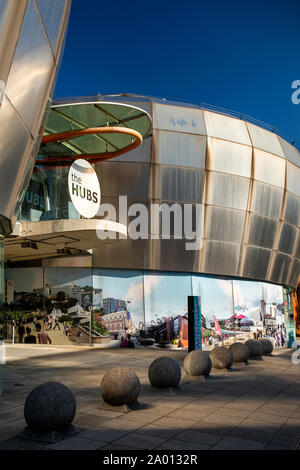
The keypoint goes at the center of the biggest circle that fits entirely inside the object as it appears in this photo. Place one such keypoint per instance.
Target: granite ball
(164, 372)
(240, 352)
(221, 358)
(120, 386)
(197, 363)
(255, 347)
(50, 406)
(267, 345)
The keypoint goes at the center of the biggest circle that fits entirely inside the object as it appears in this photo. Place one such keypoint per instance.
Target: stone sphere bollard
(197, 363)
(267, 345)
(120, 386)
(221, 358)
(255, 347)
(240, 352)
(50, 407)
(164, 372)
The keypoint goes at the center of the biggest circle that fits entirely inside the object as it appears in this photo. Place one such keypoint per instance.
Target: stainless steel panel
(224, 224)
(290, 151)
(52, 13)
(128, 179)
(266, 199)
(269, 168)
(256, 262)
(262, 231)
(294, 274)
(229, 157)
(141, 154)
(280, 268)
(292, 209)
(293, 179)
(180, 119)
(265, 140)
(32, 71)
(127, 254)
(287, 238)
(227, 190)
(11, 18)
(16, 145)
(178, 184)
(221, 258)
(171, 255)
(297, 248)
(226, 128)
(175, 148)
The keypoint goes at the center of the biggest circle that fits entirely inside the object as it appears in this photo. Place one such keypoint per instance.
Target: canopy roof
(67, 117)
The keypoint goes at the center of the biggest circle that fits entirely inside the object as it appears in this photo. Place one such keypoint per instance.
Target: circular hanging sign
(84, 188)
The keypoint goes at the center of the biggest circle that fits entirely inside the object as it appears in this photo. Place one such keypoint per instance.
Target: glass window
(216, 297)
(269, 168)
(266, 199)
(293, 179)
(178, 184)
(166, 295)
(262, 231)
(227, 128)
(229, 157)
(265, 140)
(227, 190)
(119, 291)
(247, 297)
(180, 119)
(33, 66)
(224, 224)
(174, 148)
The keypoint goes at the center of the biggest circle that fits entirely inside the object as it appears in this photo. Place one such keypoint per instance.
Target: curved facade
(31, 39)
(245, 176)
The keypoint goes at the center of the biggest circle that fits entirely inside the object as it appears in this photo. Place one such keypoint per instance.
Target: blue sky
(238, 55)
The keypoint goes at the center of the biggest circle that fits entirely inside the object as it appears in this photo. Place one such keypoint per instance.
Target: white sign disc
(84, 188)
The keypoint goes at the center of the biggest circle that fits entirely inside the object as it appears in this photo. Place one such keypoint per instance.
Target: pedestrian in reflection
(21, 332)
(29, 338)
(43, 336)
(56, 323)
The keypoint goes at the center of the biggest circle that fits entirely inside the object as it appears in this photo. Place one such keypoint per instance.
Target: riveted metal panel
(290, 152)
(122, 178)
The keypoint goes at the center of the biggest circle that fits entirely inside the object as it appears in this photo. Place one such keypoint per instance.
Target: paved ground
(251, 407)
